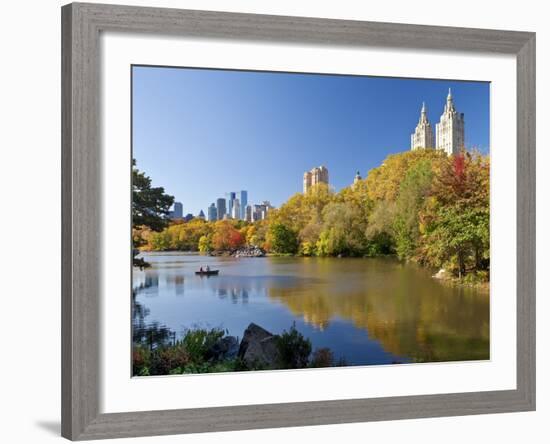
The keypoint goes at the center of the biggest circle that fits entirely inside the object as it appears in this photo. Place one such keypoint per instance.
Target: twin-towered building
(449, 132)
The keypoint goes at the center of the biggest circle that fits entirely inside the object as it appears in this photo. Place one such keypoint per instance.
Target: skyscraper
(315, 176)
(230, 199)
(259, 211)
(177, 212)
(450, 129)
(221, 208)
(212, 212)
(244, 203)
(248, 213)
(423, 136)
(236, 209)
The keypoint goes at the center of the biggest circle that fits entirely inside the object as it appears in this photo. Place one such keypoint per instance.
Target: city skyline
(261, 131)
(227, 208)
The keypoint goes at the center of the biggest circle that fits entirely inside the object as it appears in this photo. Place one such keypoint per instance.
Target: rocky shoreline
(257, 347)
(211, 351)
(240, 252)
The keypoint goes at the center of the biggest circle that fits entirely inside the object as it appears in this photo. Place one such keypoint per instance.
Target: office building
(212, 212)
(221, 208)
(244, 203)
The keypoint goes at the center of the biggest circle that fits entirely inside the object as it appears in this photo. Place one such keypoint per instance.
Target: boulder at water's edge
(259, 347)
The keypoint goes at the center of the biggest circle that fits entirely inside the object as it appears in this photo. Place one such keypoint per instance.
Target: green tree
(345, 228)
(282, 239)
(150, 205)
(412, 193)
(380, 228)
(150, 208)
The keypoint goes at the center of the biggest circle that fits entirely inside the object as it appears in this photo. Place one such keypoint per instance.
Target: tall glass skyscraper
(177, 213)
(244, 203)
(230, 199)
(236, 210)
(212, 212)
(222, 209)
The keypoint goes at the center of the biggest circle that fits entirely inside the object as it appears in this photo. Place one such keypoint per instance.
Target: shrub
(294, 349)
(165, 359)
(322, 357)
(197, 342)
(140, 361)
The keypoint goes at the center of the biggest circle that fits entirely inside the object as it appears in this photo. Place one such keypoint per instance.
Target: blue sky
(202, 133)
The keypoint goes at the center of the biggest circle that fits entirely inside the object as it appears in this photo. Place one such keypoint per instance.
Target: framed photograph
(279, 221)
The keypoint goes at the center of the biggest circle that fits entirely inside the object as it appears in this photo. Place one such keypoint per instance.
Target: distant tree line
(422, 206)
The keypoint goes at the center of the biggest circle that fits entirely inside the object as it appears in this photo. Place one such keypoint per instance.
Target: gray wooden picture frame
(81, 243)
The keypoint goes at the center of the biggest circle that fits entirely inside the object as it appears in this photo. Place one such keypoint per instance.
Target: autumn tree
(226, 237)
(455, 221)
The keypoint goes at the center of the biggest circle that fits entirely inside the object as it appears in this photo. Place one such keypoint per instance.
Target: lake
(367, 311)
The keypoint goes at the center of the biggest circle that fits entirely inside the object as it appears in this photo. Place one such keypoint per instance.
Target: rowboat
(207, 273)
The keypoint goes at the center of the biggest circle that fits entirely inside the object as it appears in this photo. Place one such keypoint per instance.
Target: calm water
(368, 311)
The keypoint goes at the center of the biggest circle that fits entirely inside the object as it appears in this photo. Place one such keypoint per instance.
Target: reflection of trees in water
(437, 324)
(151, 335)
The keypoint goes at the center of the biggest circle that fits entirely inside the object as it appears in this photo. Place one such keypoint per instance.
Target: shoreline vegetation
(202, 350)
(421, 206)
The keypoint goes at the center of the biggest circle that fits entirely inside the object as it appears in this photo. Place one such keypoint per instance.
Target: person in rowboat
(207, 268)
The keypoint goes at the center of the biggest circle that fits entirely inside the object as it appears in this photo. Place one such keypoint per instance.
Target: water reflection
(368, 311)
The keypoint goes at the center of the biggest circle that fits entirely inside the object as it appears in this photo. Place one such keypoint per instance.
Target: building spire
(423, 136)
(450, 129)
(423, 114)
(450, 107)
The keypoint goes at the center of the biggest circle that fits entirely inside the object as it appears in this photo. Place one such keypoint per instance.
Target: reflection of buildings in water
(320, 324)
(145, 280)
(234, 289)
(236, 294)
(177, 281)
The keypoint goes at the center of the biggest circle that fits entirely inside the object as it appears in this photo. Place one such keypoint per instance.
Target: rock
(259, 347)
(249, 252)
(225, 348)
(441, 274)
